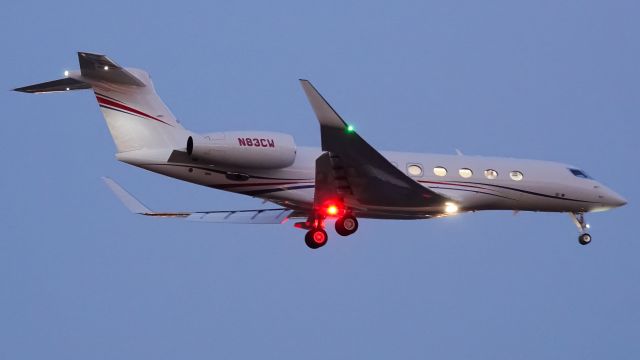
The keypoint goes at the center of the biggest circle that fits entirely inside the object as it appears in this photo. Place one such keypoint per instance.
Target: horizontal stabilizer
(101, 68)
(65, 84)
(256, 216)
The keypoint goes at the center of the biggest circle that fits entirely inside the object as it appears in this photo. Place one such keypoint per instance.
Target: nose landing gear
(578, 219)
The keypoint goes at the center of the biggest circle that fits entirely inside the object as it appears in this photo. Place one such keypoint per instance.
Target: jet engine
(243, 149)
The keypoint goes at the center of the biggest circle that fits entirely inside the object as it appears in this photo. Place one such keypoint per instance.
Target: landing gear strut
(582, 225)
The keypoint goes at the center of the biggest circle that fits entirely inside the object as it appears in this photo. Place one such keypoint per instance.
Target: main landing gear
(317, 237)
(584, 238)
(346, 225)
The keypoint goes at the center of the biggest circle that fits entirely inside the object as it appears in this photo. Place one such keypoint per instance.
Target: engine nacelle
(244, 149)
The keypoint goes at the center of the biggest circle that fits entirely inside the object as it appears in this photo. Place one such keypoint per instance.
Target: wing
(354, 170)
(257, 216)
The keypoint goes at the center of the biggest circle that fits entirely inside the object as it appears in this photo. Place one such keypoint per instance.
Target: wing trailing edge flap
(354, 170)
(255, 216)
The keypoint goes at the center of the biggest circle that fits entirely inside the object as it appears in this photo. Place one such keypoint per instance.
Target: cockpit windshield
(580, 173)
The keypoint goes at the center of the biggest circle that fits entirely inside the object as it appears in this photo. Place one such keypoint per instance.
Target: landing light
(588, 226)
(106, 67)
(332, 210)
(66, 73)
(450, 208)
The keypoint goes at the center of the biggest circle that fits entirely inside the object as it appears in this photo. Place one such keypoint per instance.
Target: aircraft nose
(614, 199)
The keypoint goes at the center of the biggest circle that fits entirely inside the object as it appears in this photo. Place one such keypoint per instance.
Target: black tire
(584, 239)
(346, 225)
(316, 238)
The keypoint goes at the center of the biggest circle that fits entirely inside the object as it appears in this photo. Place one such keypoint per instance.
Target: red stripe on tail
(108, 102)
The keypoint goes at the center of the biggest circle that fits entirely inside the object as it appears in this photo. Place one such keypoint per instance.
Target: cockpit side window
(580, 173)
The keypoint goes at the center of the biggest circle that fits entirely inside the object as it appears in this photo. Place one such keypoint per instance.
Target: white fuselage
(544, 186)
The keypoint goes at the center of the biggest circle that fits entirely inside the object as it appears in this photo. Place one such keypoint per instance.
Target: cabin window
(414, 170)
(516, 175)
(439, 171)
(490, 174)
(465, 173)
(579, 173)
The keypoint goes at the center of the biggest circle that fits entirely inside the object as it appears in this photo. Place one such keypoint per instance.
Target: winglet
(127, 199)
(324, 112)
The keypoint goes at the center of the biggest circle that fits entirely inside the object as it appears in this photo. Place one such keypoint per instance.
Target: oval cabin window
(414, 170)
(516, 175)
(465, 173)
(490, 174)
(439, 171)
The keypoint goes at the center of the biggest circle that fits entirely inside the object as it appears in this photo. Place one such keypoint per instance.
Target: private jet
(345, 180)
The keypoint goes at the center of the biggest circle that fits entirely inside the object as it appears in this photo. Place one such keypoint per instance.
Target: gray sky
(81, 278)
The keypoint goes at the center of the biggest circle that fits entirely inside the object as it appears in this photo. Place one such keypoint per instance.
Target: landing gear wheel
(346, 225)
(584, 239)
(316, 238)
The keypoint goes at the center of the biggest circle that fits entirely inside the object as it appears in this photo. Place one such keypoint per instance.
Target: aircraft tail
(136, 116)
